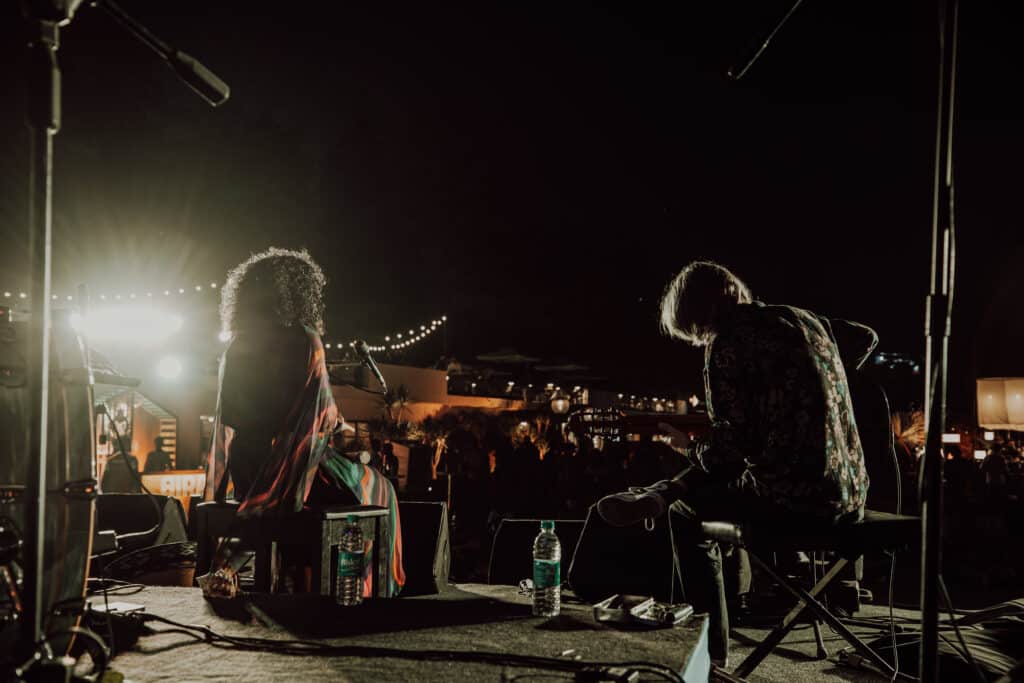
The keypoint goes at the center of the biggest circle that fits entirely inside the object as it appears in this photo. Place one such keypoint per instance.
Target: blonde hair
(695, 297)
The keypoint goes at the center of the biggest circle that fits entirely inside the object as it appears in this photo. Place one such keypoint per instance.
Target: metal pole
(937, 332)
(44, 121)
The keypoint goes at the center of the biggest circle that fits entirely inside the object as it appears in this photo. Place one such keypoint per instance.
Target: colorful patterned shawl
(299, 451)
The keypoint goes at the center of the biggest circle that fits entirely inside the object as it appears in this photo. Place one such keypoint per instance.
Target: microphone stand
(938, 313)
(43, 20)
(938, 324)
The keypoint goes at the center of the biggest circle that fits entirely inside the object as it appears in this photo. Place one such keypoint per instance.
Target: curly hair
(694, 297)
(277, 285)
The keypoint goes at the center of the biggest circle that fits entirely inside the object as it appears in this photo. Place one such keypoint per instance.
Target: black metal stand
(44, 121)
(43, 21)
(939, 305)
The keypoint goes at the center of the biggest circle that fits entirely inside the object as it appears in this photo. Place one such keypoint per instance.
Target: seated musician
(275, 411)
(783, 446)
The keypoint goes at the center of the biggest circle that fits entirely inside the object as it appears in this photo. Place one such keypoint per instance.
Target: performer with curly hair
(275, 410)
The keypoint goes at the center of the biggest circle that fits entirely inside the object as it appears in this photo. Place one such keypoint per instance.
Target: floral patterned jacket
(782, 419)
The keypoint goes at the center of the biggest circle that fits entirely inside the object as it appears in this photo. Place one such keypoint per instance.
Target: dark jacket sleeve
(724, 454)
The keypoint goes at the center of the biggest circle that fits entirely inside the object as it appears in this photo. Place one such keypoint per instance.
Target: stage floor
(469, 619)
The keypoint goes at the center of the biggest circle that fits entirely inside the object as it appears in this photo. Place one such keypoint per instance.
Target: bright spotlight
(127, 324)
(169, 368)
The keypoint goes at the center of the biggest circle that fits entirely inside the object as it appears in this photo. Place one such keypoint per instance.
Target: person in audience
(118, 474)
(158, 459)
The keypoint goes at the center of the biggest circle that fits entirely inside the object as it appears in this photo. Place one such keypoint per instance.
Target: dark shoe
(636, 504)
(739, 611)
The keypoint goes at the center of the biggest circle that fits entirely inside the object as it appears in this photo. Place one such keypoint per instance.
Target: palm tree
(908, 430)
(396, 400)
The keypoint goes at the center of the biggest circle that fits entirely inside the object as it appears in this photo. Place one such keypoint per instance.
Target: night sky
(539, 171)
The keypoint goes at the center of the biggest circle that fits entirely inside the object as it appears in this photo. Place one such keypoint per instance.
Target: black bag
(628, 560)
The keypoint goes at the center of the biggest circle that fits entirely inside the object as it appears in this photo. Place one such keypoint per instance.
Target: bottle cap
(547, 524)
(352, 518)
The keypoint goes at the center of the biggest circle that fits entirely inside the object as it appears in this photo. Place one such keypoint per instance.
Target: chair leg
(795, 615)
(819, 640)
(810, 602)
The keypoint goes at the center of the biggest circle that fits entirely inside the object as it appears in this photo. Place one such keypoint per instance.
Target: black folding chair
(878, 532)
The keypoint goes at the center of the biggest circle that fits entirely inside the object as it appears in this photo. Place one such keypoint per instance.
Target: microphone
(199, 78)
(364, 355)
(206, 83)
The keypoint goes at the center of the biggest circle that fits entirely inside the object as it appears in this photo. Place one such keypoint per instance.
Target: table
(468, 619)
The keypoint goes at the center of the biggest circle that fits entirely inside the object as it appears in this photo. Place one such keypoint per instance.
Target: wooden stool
(319, 530)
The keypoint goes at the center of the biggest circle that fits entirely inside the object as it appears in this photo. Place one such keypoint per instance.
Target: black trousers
(699, 561)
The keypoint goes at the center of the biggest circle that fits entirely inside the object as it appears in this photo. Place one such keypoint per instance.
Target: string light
(121, 295)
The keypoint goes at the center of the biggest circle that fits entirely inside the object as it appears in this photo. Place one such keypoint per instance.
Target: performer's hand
(677, 439)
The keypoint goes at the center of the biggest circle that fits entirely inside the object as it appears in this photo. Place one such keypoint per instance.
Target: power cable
(305, 647)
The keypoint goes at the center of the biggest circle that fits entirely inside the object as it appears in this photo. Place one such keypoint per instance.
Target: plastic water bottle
(547, 572)
(349, 584)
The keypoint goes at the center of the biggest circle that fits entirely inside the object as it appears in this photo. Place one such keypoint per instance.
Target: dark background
(538, 172)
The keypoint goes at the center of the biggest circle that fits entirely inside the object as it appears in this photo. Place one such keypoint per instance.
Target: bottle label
(350, 564)
(546, 574)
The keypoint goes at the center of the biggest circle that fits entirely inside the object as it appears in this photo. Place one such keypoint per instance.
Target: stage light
(169, 368)
(951, 438)
(22, 295)
(181, 290)
(225, 337)
(980, 454)
(199, 288)
(127, 324)
(990, 436)
(7, 295)
(213, 285)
